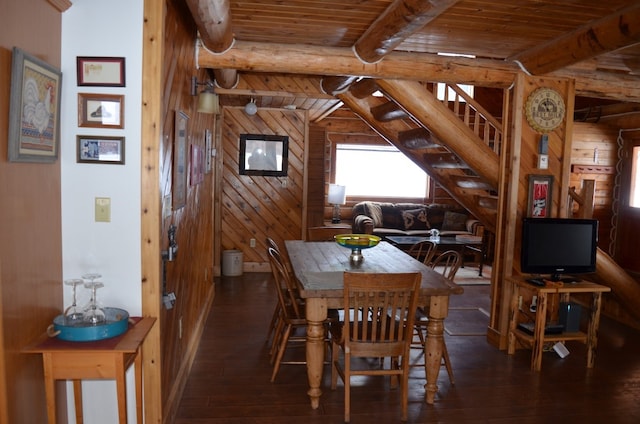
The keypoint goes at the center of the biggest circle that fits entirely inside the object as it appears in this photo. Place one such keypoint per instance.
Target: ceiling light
(251, 108)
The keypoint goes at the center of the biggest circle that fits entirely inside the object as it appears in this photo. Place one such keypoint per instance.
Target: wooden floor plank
(229, 382)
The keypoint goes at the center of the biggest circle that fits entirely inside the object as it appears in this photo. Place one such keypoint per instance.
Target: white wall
(102, 28)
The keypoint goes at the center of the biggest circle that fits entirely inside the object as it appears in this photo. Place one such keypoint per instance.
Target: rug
(466, 322)
(468, 276)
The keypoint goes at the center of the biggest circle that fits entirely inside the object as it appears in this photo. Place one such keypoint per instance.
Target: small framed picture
(100, 110)
(99, 149)
(101, 71)
(539, 200)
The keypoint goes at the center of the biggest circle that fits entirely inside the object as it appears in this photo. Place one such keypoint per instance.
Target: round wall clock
(544, 109)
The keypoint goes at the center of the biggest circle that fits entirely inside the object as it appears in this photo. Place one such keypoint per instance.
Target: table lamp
(337, 196)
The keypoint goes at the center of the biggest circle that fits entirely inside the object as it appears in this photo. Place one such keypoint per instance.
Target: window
(634, 191)
(378, 171)
(440, 87)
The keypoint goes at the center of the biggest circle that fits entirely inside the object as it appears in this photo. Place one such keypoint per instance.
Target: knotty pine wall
(190, 275)
(256, 207)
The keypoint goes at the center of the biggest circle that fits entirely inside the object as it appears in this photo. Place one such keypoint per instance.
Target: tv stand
(539, 337)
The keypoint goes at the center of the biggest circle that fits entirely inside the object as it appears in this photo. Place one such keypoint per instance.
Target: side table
(106, 359)
(539, 338)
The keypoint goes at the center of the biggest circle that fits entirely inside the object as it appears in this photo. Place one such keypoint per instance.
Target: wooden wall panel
(256, 207)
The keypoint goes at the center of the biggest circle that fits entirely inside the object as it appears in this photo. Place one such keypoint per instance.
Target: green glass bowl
(357, 241)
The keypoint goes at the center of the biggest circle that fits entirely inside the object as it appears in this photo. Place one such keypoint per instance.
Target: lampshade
(251, 108)
(337, 194)
(208, 102)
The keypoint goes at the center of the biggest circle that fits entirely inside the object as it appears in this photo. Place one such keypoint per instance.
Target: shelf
(562, 337)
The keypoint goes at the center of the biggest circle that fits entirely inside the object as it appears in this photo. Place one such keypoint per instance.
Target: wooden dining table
(319, 269)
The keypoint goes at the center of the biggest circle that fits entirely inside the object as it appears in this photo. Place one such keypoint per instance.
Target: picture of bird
(36, 112)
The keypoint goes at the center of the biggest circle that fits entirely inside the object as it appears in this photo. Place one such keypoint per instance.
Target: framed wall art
(207, 150)
(100, 110)
(34, 109)
(264, 155)
(101, 71)
(539, 200)
(179, 182)
(99, 149)
(197, 164)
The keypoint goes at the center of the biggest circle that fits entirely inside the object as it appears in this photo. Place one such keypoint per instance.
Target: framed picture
(264, 155)
(100, 110)
(99, 149)
(101, 71)
(34, 110)
(207, 151)
(197, 164)
(540, 191)
(179, 183)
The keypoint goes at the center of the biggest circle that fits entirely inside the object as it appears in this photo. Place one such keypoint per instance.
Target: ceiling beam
(213, 20)
(400, 20)
(336, 61)
(615, 31)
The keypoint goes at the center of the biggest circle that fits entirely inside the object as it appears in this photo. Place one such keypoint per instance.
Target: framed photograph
(264, 155)
(101, 71)
(197, 164)
(99, 149)
(539, 200)
(100, 110)
(34, 109)
(179, 182)
(207, 151)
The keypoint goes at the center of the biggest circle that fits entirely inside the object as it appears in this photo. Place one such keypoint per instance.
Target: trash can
(231, 263)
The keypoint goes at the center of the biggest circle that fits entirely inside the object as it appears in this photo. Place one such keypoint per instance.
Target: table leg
(138, 381)
(592, 332)
(49, 387)
(77, 400)
(538, 338)
(316, 310)
(438, 310)
(121, 389)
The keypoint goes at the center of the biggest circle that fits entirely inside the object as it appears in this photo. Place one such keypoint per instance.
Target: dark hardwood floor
(229, 382)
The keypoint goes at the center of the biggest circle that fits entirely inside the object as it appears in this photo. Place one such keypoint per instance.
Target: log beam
(336, 61)
(400, 20)
(612, 32)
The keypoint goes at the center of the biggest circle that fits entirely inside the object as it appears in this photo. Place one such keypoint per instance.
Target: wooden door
(628, 232)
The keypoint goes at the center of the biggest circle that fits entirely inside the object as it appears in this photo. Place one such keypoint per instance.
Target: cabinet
(551, 293)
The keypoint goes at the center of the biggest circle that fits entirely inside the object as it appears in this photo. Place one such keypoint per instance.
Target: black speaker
(570, 316)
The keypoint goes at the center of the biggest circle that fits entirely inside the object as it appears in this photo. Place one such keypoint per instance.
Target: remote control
(536, 281)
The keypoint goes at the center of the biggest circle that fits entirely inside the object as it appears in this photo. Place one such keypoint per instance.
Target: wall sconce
(251, 108)
(337, 196)
(208, 101)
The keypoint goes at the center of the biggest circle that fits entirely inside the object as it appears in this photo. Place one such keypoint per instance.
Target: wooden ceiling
(277, 52)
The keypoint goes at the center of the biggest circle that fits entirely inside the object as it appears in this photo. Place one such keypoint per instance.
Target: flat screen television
(558, 246)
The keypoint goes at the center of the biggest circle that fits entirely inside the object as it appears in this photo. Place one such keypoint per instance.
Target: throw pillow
(415, 219)
(454, 221)
(373, 210)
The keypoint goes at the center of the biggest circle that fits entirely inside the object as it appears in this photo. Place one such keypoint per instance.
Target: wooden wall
(30, 224)
(257, 207)
(190, 275)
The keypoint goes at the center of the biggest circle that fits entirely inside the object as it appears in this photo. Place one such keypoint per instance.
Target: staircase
(455, 141)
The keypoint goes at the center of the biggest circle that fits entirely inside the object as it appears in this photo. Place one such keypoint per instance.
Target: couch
(412, 219)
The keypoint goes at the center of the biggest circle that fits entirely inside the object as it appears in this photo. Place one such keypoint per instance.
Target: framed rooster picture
(34, 110)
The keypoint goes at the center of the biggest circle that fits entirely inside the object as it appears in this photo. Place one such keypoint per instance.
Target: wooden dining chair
(379, 325)
(447, 263)
(276, 311)
(423, 251)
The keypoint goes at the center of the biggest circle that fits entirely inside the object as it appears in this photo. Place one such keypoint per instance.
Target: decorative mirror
(264, 155)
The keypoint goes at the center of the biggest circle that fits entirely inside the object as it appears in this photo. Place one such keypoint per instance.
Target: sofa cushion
(415, 219)
(374, 211)
(454, 221)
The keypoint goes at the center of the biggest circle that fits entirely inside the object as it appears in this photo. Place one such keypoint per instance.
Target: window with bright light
(378, 171)
(634, 195)
(440, 87)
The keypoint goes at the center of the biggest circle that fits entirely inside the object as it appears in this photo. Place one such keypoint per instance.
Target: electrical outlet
(103, 209)
(519, 303)
(252, 242)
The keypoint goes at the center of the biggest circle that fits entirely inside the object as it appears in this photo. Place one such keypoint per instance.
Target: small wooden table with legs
(103, 359)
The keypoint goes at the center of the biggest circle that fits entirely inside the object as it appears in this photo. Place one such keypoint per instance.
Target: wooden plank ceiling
(278, 52)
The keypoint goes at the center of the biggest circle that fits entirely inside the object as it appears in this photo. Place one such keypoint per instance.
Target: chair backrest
(287, 290)
(384, 305)
(448, 263)
(423, 251)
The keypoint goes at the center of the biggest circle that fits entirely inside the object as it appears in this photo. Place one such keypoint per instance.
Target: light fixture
(208, 101)
(251, 108)
(337, 196)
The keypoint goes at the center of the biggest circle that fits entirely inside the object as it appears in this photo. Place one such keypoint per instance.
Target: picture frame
(100, 149)
(100, 71)
(540, 196)
(179, 182)
(264, 155)
(197, 164)
(34, 109)
(100, 110)
(208, 145)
